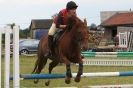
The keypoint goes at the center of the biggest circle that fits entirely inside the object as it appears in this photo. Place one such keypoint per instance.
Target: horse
(67, 52)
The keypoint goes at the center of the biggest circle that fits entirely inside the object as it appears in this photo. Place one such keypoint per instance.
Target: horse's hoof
(36, 81)
(47, 83)
(68, 80)
(77, 79)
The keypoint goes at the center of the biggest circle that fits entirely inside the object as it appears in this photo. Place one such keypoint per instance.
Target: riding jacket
(60, 18)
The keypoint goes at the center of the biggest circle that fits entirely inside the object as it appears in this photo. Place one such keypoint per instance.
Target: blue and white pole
(55, 76)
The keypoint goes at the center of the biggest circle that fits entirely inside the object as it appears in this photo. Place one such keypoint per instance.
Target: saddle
(57, 36)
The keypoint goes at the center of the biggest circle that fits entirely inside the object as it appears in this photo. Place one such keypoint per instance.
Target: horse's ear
(85, 21)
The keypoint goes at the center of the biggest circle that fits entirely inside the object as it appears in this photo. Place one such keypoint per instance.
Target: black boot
(50, 44)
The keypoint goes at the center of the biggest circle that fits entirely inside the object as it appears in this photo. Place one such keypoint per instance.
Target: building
(40, 27)
(116, 21)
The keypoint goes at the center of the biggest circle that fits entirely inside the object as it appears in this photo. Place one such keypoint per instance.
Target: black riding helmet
(71, 5)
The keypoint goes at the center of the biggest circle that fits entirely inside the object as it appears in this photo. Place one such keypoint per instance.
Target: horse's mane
(76, 28)
(73, 20)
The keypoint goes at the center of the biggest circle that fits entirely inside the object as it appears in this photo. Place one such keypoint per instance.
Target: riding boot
(50, 44)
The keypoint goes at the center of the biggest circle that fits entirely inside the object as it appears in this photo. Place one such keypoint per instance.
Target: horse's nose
(84, 48)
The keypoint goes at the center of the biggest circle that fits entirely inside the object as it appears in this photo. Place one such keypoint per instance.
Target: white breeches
(52, 29)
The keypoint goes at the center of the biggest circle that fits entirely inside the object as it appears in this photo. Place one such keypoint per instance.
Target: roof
(119, 19)
(40, 24)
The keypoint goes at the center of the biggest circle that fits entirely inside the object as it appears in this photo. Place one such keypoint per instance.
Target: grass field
(27, 64)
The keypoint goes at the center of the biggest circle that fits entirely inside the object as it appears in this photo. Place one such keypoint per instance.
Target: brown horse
(68, 50)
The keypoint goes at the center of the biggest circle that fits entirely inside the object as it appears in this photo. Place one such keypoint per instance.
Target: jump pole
(112, 86)
(107, 54)
(55, 76)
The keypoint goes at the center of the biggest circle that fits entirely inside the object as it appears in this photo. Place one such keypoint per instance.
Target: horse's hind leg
(51, 66)
(40, 63)
(80, 72)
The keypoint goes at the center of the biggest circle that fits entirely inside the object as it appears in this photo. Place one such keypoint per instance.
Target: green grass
(27, 64)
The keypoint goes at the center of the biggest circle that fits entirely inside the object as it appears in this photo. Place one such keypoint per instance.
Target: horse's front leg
(68, 74)
(80, 72)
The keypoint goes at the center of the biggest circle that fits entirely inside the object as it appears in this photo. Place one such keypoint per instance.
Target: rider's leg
(51, 32)
(50, 42)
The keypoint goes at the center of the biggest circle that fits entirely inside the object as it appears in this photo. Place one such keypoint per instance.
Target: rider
(59, 22)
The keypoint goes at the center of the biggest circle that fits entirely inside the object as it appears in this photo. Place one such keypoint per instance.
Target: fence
(93, 58)
(8, 31)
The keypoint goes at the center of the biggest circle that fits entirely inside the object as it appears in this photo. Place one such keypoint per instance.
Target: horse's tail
(39, 65)
(41, 58)
(35, 68)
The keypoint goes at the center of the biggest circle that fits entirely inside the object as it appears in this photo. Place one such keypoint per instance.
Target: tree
(11, 25)
(93, 26)
(24, 33)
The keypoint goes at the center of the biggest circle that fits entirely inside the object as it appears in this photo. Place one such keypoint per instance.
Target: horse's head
(82, 34)
(78, 30)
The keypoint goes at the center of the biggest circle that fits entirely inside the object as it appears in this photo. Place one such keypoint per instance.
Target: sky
(21, 12)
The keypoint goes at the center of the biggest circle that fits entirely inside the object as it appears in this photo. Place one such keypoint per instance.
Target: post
(0, 57)
(16, 78)
(7, 57)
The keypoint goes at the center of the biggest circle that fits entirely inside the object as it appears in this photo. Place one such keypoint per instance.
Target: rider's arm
(59, 22)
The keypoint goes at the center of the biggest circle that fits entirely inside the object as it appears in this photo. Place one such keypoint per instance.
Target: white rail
(108, 62)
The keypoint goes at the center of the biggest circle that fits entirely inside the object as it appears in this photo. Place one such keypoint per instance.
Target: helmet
(71, 5)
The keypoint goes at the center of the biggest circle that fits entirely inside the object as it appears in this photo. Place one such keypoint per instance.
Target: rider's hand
(68, 27)
(63, 26)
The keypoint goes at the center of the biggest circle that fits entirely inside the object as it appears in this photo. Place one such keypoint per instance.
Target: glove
(68, 27)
